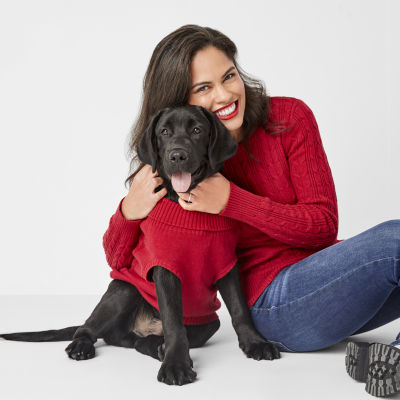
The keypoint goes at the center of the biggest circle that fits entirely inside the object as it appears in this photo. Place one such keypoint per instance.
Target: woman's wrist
(125, 213)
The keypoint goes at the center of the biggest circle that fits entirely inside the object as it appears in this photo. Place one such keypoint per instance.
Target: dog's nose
(178, 156)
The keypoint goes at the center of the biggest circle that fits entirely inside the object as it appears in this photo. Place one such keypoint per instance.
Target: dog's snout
(178, 156)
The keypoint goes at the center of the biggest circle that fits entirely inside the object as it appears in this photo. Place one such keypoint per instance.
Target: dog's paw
(176, 373)
(260, 350)
(80, 349)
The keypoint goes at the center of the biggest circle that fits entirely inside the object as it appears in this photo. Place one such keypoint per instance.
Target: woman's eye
(201, 89)
(232, 74)
(196, 130)
(164, 131)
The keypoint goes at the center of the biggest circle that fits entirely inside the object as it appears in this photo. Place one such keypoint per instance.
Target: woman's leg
(387, 313)
(333, 293)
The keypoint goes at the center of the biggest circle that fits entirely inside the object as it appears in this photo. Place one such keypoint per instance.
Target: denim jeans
(345, 289)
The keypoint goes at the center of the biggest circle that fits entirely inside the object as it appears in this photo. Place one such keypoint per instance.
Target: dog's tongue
(181, 181)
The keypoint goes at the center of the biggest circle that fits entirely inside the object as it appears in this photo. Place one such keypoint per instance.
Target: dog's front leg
(176, 368)
(250, 341)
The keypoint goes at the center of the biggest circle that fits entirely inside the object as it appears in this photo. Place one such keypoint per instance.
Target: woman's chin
(237, 134)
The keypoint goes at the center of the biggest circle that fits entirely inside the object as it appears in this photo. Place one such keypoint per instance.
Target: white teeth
(227, 111)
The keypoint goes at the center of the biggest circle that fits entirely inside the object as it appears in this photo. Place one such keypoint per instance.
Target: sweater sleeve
(311, 222)
(120, 239)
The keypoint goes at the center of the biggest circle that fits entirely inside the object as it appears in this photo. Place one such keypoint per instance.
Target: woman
(306, 290)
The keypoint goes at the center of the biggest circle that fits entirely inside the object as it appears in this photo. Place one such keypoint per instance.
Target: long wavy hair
(167, 83)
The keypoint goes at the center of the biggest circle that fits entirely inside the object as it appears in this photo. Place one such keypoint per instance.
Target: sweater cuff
(243, 205)
(127, 228)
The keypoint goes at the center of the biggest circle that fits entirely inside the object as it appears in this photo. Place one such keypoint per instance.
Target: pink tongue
(181, 181)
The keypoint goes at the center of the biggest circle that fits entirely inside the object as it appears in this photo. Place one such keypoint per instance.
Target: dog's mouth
(181, 180)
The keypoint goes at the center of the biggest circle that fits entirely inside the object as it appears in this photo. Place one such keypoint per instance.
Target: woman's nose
(221, 95)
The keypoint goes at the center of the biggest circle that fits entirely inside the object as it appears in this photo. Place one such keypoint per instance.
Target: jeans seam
(321, 288)
(283, 345)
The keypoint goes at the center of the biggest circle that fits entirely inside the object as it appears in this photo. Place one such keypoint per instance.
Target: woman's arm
(120, 239)
(122, 234)
(313, 221)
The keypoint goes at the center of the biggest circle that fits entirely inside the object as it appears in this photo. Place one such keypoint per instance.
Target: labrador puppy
(186, 145)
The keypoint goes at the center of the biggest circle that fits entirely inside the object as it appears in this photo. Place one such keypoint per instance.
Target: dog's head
(185, 145)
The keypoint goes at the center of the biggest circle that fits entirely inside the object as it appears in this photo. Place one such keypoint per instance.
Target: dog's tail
(54, 335)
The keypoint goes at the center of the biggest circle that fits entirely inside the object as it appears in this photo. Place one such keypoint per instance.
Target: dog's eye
(164, 131)
(196, 130)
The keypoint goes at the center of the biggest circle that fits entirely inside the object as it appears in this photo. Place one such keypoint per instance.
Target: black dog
(186, 145)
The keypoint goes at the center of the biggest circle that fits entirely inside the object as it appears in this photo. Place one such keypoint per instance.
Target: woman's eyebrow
(208, 82)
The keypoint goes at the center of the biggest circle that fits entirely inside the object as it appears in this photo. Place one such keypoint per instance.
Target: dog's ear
(147, 150)
(221, 145)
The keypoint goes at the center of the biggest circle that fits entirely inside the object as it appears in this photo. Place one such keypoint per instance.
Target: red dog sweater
(284, 201)
(197, 247)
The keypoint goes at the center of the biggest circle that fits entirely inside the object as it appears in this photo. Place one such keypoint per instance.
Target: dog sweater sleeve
(120, 239)
(312, 221)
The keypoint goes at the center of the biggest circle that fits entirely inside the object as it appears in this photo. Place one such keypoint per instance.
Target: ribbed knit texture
(171, 213)
(197, 247)
(285, 204)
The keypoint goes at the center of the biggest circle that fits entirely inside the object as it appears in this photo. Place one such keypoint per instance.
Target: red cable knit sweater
(285, 204)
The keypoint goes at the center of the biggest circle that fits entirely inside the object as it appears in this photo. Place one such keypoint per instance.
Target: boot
(376, 364)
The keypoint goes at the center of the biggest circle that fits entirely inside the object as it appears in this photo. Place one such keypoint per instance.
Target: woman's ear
(147, 150)
(222, 145)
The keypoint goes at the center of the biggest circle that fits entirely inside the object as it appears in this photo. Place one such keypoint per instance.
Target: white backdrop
(71, 78)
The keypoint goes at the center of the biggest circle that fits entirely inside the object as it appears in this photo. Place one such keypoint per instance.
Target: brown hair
(170, 62)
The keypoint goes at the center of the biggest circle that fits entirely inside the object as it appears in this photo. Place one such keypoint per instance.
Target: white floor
(43, 370)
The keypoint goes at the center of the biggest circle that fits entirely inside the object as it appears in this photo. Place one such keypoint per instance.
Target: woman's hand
(141, 198)
(210, 195)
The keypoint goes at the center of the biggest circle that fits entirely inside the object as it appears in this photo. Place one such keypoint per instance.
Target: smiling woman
(220, 92)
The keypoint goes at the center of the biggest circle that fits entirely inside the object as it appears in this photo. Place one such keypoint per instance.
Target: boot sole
(357, 360)
(376, 364)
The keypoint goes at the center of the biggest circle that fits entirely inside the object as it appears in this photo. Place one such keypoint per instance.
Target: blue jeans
(345, 289)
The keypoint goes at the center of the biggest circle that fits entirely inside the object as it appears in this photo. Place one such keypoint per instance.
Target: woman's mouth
(229, 111)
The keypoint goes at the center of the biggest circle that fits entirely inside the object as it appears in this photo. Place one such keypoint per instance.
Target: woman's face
(217, 86)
